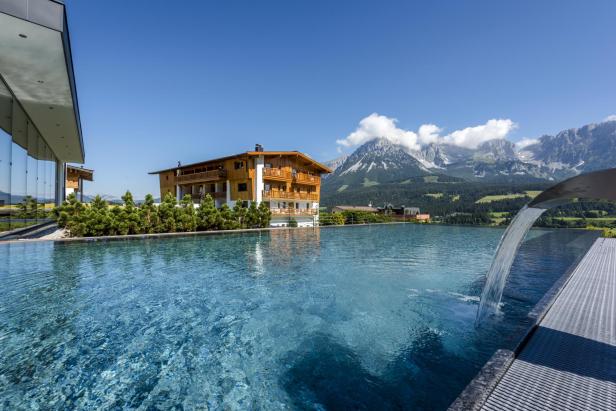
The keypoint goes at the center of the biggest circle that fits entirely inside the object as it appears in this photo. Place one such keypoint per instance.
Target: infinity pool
(372, 317)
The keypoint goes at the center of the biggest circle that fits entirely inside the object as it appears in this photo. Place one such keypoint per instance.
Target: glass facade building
(40, 130)
(28, 168)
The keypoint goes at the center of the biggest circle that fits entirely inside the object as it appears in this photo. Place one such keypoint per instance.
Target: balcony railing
(211, 175)
(293, 211)
(276, 173)
(286, 195)
(306, 178)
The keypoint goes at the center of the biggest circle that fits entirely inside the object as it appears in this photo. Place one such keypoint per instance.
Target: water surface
(372, 317)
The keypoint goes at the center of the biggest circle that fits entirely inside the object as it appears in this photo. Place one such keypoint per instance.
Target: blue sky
(162, 81)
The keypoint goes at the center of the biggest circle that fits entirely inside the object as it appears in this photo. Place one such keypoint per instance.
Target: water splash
(501, 264)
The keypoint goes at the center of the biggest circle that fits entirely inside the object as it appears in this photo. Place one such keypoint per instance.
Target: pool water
(371, 317)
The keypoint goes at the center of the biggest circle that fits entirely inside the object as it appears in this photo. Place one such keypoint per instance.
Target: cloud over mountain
(380, 126)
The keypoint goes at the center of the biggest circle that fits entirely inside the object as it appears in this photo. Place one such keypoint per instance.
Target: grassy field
(434, 195)
(430, 179)
(342, 188)
(594, 221)
(369, 183)
(499, 197)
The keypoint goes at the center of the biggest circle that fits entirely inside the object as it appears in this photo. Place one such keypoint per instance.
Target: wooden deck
(569, 361)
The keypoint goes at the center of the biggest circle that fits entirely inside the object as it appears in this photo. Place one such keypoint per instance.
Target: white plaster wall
(259, 186)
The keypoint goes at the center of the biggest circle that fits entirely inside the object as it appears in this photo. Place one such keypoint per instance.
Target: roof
(37, 68)
(305, 157)
(357, 208)
(84, 173)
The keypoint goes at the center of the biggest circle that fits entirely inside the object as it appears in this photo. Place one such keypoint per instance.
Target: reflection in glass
(5, 180)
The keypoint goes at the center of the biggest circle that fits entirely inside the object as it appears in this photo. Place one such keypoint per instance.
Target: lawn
(500, 197)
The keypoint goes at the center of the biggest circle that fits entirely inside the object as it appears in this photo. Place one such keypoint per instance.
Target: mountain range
(549, 159)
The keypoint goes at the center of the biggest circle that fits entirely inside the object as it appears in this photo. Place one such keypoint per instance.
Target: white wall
(259, 185)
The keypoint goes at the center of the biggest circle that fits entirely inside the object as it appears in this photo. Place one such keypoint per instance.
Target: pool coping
(476, 393)
(130, 237)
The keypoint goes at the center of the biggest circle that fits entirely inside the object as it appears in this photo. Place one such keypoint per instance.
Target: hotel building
(40, 129)
(289, 182)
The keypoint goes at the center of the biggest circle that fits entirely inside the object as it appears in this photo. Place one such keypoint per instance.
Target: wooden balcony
(204, 176)
(286, 195)
(293, 212)
(276, 174)
(303, 178)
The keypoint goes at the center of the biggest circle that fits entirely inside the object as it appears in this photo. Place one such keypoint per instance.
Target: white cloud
(472, 137)
(525, 142)
(379, 126)
(610, 118)
(376, 125)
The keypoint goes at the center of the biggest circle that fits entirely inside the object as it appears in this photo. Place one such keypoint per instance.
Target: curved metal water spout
(597, 185)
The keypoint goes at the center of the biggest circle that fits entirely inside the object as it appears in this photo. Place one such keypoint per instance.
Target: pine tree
(166, 212)
(252, 216)
(149, 215)
(186, 218)
(239, 214)
(265, 215)
(207, 215)
(227, 219)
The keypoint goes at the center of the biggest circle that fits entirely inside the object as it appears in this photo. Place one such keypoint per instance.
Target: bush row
(352, 217)
(98, 218)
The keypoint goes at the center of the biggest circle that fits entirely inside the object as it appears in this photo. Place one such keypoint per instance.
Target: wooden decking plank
(569, 363)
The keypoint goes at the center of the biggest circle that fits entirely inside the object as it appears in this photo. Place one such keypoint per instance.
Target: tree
(149, 215)
(227, 219)
(265, 215)
(208, 217)
(130, 215)
(166, 212)
(239, 214)
(97, 218)
(185, 216)
(252, 217)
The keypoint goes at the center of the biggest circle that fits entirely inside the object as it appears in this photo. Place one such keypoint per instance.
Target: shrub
(208, 216)
(292, 222)
(185, 216)
(331, 219)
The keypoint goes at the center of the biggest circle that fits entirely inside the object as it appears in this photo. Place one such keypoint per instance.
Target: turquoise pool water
(371, 317)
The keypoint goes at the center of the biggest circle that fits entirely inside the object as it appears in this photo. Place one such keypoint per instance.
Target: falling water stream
(501, 264)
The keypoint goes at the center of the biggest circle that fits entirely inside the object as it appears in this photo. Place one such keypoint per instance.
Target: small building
(289, 182)
(363, 209)
(75, 176)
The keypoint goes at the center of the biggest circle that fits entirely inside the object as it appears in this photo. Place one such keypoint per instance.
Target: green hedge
(98, 218)
(352, 217)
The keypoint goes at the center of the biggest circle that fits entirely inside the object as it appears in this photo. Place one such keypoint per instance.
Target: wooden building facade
(289, 182)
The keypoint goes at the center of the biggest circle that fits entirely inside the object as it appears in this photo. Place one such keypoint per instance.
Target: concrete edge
(476, 393)
(182, 234)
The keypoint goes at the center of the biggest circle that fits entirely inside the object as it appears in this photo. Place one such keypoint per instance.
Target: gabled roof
(321, 167)
(85, 173)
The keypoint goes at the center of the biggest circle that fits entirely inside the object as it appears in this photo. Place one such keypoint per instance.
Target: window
(242, 187)
(238, 165)
(268, 165)
(267, 187)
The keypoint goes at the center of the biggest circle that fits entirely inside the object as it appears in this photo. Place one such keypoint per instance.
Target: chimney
(258, 148)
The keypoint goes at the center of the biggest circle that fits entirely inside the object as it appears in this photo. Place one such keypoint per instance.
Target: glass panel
(5, 180)
(6, 110)
(31, 171)
(51, 177)
(42, 177)
(21, 209)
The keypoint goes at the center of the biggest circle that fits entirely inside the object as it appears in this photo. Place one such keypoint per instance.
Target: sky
(160, 81)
